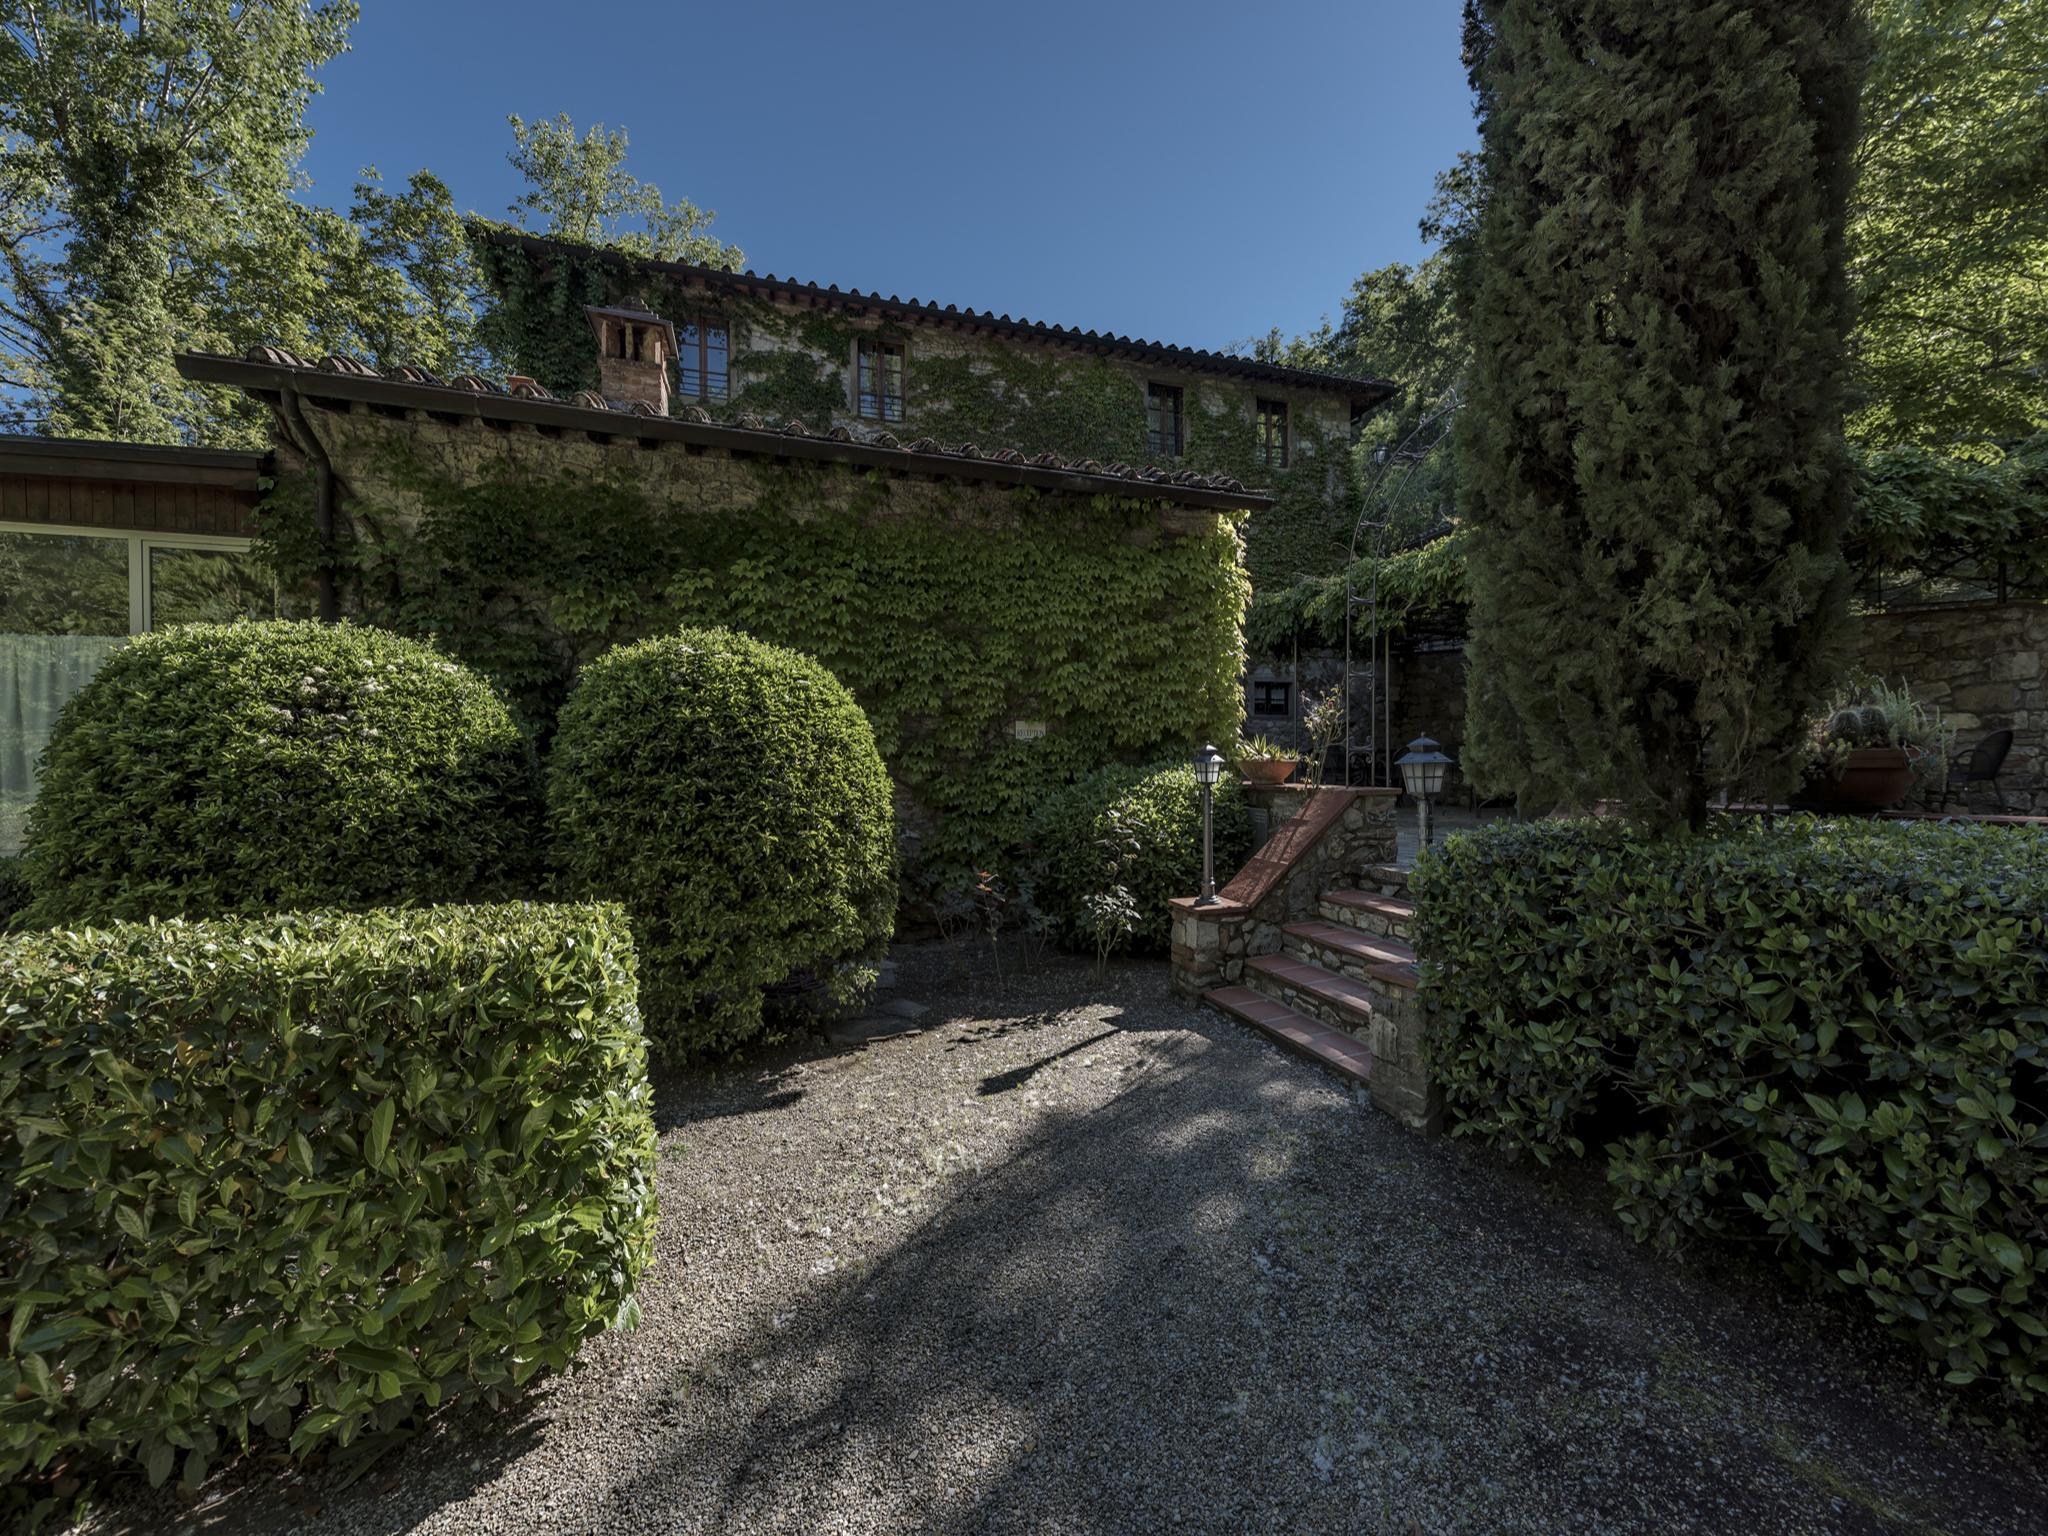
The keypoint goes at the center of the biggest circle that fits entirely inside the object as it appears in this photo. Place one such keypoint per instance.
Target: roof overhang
(343, 383)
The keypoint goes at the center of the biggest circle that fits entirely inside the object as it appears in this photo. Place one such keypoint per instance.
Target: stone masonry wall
(1986, 668)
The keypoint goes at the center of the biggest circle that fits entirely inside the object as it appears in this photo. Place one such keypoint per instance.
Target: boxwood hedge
(298, 1176)
(729, 792)
(1831, 1036)
(214, 768)
(1135, 827)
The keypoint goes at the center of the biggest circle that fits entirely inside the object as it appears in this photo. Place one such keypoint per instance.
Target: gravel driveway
(1077, 1257)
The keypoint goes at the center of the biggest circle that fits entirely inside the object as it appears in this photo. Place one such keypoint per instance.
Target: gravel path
(1078, 1257)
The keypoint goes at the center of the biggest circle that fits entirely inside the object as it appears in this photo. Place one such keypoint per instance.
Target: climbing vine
(963, 618)
(794, 364)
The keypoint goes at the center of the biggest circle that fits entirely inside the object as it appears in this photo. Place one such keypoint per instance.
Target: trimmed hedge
(215, 768)
(1832, 1036)
(730, 793)
(1139, 828)
(301, 1175)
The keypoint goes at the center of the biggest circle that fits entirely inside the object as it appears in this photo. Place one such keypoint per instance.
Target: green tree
(1653, 480)
(1949, 239)
(150, 156)
(579, 190)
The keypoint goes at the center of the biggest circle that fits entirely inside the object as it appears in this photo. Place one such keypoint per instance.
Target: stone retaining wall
(1337, 836)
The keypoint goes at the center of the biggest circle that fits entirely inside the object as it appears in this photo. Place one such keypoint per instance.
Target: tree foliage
(1652, 478)
(580, 190)
(150, 156)
(152, 201)
(1949, 238)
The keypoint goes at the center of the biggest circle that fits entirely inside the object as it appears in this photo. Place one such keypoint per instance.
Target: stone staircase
(1340, 990)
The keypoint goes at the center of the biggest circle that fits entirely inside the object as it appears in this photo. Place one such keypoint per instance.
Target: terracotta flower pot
(1268, 770)
(1869, 779)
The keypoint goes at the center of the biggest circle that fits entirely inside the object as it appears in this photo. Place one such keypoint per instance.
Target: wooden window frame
(704, 324)
(1153, 439)
(885, 346)
(1276, 450)
(1266, 685)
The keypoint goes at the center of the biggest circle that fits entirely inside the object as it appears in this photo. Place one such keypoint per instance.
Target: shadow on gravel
(382, 1491)
(1228, 1299)
(1017, 1077)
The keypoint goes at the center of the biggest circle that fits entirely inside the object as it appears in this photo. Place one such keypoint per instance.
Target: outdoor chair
(1979, 765)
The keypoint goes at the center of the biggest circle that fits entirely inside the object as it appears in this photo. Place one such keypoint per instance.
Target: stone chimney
(634, 349)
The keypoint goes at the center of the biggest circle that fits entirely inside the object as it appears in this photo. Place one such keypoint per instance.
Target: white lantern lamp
(1208, 769)
(1422, 775)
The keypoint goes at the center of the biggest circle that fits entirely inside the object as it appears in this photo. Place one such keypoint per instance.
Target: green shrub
(1138, 830)
(215, 768)
(1830, 1036)
(730, 794)
(13, 890)
(304, 1174)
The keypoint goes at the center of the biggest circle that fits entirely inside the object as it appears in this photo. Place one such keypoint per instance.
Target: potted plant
(1261, 760)
(1873, 745)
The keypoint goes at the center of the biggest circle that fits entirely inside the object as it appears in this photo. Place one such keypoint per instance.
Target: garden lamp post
(1422, 775)
(1208, 769)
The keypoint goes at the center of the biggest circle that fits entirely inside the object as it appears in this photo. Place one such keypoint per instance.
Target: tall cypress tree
(1652, 469)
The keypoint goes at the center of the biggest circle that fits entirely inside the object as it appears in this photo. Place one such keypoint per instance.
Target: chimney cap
(633, 311)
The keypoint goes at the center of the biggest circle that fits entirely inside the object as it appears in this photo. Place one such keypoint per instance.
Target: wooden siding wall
(133, 505)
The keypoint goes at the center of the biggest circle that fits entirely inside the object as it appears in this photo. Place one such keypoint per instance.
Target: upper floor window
(706, 361)
(878, 382)
(1163, 438)
(1273, 433)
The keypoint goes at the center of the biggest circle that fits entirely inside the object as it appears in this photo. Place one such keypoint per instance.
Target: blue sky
(1194, 173)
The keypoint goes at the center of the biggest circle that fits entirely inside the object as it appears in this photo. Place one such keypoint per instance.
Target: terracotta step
(1340, 946)
(1370, 911)
(1305, 1036)
(1342, 1001)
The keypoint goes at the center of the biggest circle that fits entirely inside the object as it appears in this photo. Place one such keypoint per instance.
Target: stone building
(1008, 621)
(783, 349)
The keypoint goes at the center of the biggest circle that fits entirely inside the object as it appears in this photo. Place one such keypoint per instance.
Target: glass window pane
(63, 610)
(63, 584)
(208, 586)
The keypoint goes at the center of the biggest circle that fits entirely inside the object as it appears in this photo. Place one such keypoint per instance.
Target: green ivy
(996, 395)
(952, 613)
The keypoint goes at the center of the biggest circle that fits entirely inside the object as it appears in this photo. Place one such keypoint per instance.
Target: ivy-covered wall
(996, 391)
(1002, 639)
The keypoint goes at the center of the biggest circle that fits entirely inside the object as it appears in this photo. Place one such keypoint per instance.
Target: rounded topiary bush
(730, 793)
(1135, 831)
(216, 768)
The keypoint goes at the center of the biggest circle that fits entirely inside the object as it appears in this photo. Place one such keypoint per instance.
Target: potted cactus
(1264, 761)
(1871, 747)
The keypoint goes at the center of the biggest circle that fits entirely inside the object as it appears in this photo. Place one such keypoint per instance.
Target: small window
(1273, 700)
(1273, 433)
(706, 361)
(878, 384)
(1163, 421)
